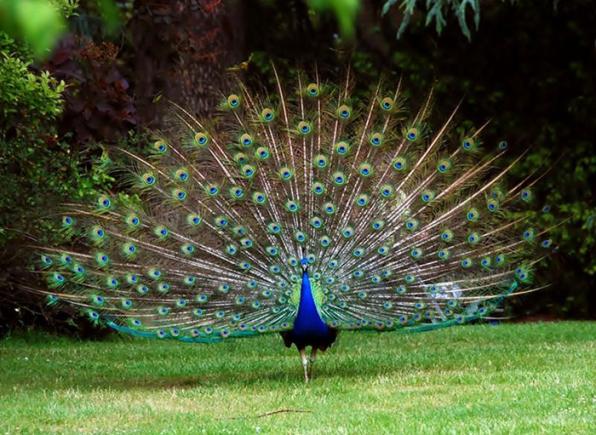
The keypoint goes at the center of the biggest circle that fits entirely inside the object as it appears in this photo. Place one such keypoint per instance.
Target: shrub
(38, 169)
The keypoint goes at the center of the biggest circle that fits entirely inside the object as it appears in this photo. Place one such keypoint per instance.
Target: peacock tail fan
(403, 226)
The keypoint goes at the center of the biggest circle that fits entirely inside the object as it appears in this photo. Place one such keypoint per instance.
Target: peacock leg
(313, 357)
(304, 363)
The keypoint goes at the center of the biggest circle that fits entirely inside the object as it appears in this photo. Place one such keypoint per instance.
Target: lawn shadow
(266, 375)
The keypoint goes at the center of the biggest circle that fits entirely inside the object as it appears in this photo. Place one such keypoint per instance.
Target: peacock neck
(308, 320)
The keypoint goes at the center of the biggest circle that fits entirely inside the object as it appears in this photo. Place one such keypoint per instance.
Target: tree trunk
(182, 49)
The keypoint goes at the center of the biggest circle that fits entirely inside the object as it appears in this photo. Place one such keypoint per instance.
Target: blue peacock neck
(308, 322)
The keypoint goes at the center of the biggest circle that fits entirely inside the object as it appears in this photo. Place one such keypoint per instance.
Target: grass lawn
(523, 378)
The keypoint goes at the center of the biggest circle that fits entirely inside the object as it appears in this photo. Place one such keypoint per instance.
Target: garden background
(79, 77)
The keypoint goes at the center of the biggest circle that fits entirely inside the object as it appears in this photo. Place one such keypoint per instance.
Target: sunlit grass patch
(509, 378)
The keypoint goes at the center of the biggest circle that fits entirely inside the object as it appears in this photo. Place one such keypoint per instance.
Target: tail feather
(402, 227)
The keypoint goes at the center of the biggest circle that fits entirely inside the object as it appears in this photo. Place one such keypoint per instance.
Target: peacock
(304, 211)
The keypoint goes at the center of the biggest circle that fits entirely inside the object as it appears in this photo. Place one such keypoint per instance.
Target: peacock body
(303, 212)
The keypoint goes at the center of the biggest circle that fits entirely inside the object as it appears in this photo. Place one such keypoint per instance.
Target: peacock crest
(399, 225)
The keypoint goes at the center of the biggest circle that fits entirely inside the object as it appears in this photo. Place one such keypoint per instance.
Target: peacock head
(304, 263)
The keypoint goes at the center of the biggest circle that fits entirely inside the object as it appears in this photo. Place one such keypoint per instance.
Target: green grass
(523, 378)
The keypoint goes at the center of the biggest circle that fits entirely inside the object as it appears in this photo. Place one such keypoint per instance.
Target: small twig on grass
(267, 414)
(280, 411)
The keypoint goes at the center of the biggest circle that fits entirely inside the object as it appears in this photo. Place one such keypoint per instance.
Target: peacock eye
(365, 169)
(387, 103)
(339, 178)
(376, 139)
(267, 114)
(468, 144)
(160, 147)
(246, 140)
(412, 134)
(526, 195)
(233, 101)
(201, 138)
(443, 166)
(472, 215)
(473, 238)
(344, 112)
(304, 127)
(362, 200)
(312, 90)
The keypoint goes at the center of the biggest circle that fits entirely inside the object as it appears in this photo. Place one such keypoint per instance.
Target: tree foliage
(436, 10)
(38, 23)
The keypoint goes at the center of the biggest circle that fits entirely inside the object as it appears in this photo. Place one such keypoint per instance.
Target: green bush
(28, 101)
(38, 169)
(31, 159)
